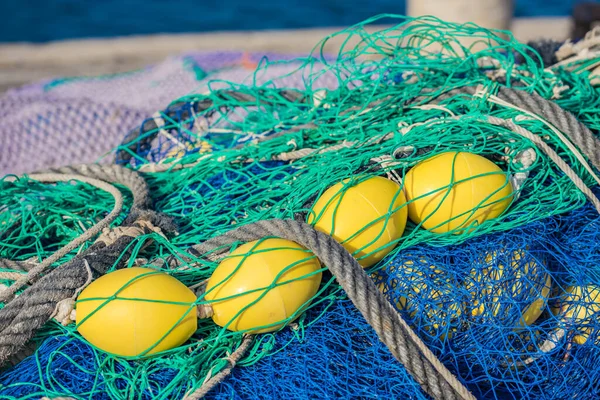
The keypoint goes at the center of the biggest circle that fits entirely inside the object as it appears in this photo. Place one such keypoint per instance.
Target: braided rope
(393, 331)
(78, 241)
(24, 315)
(565, 121)
(218, 378)
(560, 163)
(16, 265)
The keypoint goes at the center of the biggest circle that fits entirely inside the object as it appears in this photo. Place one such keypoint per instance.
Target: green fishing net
(239, 154)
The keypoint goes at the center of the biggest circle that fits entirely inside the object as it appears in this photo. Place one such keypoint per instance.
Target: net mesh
(510, 305)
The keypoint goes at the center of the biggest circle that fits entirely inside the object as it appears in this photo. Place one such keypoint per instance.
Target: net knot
(205, 311)
(111, 235)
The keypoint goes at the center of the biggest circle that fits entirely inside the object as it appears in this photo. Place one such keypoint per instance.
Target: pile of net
(243, 153)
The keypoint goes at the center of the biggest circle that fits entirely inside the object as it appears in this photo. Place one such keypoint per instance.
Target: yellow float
(136, 312)
(495, 285)
(579, 308)
(425, 292)
(454, 190)
(261, 284)
(365, 216)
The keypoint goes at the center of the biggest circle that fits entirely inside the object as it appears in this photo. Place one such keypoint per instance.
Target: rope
(16, 265)
(218, 378)
(552, 113)
(394, 332)
(541, 109)
(122, 176)
(78, 241)
(25, 314)
(21, 318)
(560, 163)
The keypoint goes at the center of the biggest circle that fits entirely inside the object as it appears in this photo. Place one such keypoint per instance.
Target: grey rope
(78, 241)
(560, 163)
(16, 265)
(566, 122)
(132, 180)
(562, 119)
(208, 385)
(114, 174)
(24, 315)
(394, 332)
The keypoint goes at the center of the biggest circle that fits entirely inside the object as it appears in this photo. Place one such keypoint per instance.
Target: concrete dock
(23, 63)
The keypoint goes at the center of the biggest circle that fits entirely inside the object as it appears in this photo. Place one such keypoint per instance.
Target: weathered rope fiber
(394, 332)
(551, 112)
(24, 315)
(133, 181)
(78, 241)
(218, 378)
(560, 163)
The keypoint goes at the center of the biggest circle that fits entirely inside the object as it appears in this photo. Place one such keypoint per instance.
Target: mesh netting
(50, 123)
(510, 304)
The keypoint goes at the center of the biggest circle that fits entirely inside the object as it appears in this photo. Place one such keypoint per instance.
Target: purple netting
(79, 120)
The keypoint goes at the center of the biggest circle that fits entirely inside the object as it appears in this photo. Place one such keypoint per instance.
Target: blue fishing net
(510, 306)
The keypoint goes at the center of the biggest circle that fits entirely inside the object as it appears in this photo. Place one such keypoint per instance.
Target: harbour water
(47, 20)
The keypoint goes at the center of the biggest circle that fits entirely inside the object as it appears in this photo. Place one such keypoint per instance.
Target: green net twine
(258, 155)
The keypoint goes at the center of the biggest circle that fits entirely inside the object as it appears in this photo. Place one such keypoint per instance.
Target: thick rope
(539, 108)
(555, 115)
(16, 265)
(560, 163)
(78, 241)
(24, 315)
(128, 178)
(394, 332)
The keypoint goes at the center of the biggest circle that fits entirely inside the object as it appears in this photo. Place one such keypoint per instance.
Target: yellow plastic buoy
(181, 150)
(453, 190)
(365, 217)
(135, 312)
(494, 286)
(579, 306)
(261, 284)
(425, 292)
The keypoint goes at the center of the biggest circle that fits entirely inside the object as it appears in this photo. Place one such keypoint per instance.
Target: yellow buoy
(181, 150)
(579, 306)
(136, 311)
(517, 293)
(261, 284)
(453, 190)
(427, 293)
(364, 217)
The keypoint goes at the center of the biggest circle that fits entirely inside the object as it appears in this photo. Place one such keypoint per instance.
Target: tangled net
(241, 154)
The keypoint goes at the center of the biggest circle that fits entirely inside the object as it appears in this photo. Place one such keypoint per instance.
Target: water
(45, 20)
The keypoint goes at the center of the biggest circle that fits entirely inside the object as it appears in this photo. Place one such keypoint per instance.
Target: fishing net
(50, 123)
(509, 305)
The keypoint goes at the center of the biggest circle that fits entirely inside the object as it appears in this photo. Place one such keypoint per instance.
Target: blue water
(44, 20)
